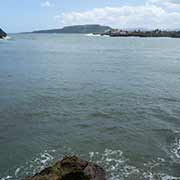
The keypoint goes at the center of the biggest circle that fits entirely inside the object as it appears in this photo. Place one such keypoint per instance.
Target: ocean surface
(114, 101)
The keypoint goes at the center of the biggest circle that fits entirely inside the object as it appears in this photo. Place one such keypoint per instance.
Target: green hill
(91, 28)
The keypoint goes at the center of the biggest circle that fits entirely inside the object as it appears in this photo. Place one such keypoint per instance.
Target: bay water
(113, 101)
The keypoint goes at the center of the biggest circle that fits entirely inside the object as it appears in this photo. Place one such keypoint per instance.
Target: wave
(33, 166)
(91, 35)
(118, 167)
(6, 38)
(175, 150)
(166, 177)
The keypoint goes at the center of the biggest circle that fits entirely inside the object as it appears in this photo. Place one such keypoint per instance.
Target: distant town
(141, 33)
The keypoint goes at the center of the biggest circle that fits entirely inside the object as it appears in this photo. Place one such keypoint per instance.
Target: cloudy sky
(24, 15)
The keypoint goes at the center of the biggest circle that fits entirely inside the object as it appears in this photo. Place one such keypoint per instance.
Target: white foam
(46, 157)
(6, 178)
(118, 167)
(17, 171)
(115, 163)
(176, 149)
(35, 165)
(91, 154)
(90, 35)
(6, 38)
(166, 177)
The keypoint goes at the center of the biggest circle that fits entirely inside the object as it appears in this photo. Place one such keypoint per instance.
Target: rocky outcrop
(71, 168)
(2, 34)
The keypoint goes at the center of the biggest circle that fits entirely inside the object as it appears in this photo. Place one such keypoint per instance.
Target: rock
(2, 34)
(71, 168)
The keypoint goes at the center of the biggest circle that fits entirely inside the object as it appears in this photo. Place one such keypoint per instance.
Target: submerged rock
(2, 34)
(71, 168)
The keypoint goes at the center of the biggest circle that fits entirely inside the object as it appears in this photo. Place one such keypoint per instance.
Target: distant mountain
(2, 34)
(90, 28)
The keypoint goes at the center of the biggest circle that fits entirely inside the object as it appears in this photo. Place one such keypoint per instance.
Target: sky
(29, 15)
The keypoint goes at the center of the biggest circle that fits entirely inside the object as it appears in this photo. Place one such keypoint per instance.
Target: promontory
(2, 34)
(86, 29)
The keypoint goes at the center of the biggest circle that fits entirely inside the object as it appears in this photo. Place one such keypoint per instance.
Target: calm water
(115, 101)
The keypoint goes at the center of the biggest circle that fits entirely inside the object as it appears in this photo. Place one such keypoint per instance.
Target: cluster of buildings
(139, 33)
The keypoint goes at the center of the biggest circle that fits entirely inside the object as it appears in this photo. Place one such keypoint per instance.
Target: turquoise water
(115, 101)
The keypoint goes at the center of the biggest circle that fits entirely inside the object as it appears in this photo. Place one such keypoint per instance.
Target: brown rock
(71, 168)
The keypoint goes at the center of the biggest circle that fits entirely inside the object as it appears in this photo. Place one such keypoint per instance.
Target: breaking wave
(91, 34)
(6, 38)
(118, 167)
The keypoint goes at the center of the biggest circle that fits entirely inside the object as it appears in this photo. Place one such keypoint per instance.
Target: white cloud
(165, 1)
(46, 4)
(173, 5)
(152, 14)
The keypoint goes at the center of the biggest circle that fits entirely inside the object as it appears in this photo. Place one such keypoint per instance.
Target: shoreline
(142, 34)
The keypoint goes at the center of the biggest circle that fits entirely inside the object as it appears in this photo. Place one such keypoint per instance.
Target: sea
(112, 101)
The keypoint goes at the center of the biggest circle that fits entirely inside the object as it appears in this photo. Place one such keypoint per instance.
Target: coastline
(137, 33)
